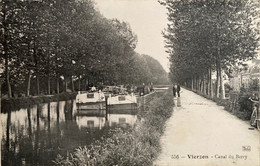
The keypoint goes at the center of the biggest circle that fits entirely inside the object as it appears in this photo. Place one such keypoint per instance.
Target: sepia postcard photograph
(130, 82)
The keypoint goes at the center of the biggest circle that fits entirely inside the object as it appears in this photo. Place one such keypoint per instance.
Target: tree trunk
(79, 84)
(200, 88)
(195, 83)
(28, 84)
(192, 84)
(218, 59)
(210, 83)
(198, 84)
(38, 82)
(36, 69)
(7, 76)
(217, 84)
(86, 84)
(66, 84)
(48, 77)
(57, 85)
(205, 84)
(222, 89)
(57, 75)
(49, 84)
(72, 84)
(5, 50)
(201, 85)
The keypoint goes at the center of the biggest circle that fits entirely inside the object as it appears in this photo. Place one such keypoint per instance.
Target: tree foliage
(205, 36)
(49, 46)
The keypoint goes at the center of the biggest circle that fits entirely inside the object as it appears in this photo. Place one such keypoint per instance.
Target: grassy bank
(242, 108)
(136, 146)
(24, 102)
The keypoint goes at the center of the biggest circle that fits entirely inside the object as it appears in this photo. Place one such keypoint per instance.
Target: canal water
(36, 135)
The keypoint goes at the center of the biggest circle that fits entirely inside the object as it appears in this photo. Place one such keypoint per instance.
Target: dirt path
(200, 133)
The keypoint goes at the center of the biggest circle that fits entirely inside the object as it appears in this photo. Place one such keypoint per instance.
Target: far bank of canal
(25, 102)
(35, 135)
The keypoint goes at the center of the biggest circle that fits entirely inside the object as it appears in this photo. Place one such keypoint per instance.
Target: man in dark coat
(178, 90)
(174, 90)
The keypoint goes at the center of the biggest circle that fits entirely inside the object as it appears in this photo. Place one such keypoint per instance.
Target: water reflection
(91, 122)
(122, 120)
(35, 135)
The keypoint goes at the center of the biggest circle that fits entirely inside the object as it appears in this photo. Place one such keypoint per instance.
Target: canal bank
(136, 146)
(24, 102)
(37, 134)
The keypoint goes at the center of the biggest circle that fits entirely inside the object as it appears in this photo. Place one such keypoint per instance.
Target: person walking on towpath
(176, 89)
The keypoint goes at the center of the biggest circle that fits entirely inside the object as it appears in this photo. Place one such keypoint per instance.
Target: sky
(147, 19)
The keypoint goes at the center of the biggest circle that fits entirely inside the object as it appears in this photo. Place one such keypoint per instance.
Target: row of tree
(48, 45)
(206, 36)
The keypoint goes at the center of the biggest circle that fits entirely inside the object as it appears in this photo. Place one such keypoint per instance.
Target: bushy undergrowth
(242, 108)
(137, 146)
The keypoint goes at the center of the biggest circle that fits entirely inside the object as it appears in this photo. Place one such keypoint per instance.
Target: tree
(205, 36)
(158, 74)
(7, 12)
(45, 44)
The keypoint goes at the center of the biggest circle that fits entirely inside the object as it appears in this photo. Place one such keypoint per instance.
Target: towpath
(200, 133)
